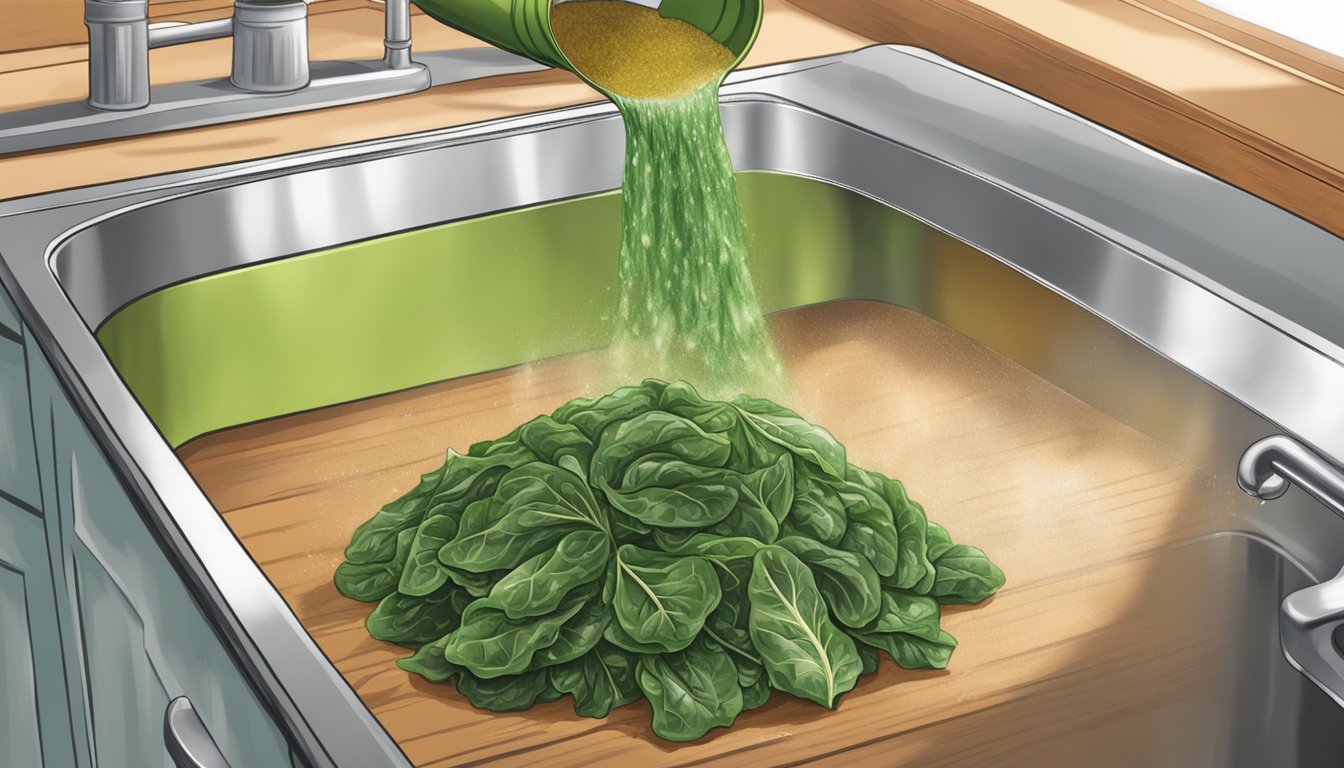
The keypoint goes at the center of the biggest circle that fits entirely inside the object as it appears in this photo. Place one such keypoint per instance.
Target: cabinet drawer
(18, 460)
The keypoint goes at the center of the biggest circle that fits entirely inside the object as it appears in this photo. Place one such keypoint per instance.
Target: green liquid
(687, 307)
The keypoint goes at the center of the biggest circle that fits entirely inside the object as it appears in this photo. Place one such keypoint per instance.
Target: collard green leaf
(673, 494)
(539, 584)
(375, 540)
(803, 652)
(764, 498)
(911, 614)
(662, 600)
(790, 431)
(592, 416)
(553, 442)
(409, 620)
(750, 450)
(691, 691)
(817, 513)
(914, 569)
(847, 582)
(756, 694)
(533, 508)
(870, 528)
(965, 575)
(476, 584)
(907, 629)
(617, 636)
(913, 652)
(490, 644)
(751, 678)
(665, 471)
(870, 656)
(423, 572)
(509, 693)
(599, 681)
(576, 637)
(732, 559)
(369, 582)
(429, 663)
(939, 541)
(446, 491)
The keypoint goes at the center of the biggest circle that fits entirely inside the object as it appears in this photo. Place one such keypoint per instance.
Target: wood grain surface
(33, 78)
(1087, 644)
(1249, 106)
(1252, 108)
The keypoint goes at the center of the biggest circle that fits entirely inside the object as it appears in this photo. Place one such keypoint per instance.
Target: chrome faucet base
(205, 102)
(271, 74)
(1311, 619)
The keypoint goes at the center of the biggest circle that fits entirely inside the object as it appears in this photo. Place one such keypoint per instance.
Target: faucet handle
(118, 53)
(270, 45)
(1308, 618)
(1308, 621)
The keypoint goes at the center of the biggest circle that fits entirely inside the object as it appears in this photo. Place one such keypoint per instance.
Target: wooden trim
(1279, 160)
(1268, 43)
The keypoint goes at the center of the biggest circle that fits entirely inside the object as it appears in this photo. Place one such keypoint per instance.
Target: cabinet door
(138, 638)
(18, 465)
(34, 726)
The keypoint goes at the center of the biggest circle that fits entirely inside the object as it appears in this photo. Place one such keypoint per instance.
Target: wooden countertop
(338, 29)
(1249, 106)
(1104, 642)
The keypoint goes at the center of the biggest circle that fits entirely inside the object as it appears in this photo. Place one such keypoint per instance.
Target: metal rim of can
(567, 64)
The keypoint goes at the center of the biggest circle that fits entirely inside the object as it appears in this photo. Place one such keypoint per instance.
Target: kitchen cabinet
(132, 637)
(18, 463)
(9, 316)
(34, 721)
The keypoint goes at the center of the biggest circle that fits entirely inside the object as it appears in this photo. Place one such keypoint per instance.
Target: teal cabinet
(18, 462)
(9, 316)
(132, 637)
(34, 720)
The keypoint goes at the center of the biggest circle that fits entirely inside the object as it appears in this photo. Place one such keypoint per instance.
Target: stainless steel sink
(1167, 313)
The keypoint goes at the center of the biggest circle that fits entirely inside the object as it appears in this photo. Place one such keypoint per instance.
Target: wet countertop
(1251, 107)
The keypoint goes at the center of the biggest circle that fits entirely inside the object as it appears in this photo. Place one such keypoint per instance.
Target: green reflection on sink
(412, 308)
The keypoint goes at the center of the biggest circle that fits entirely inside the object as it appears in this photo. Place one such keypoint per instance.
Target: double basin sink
(1167, 286)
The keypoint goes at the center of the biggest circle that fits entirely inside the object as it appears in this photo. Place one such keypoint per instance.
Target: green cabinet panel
(18, 465)
(136, 638)
(9, 316)
(34, 724)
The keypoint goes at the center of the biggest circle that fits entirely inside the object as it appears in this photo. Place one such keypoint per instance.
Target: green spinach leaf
(662, 600)
(600, 681)
(691, 691)
(538, 585)
(847, 581)
(965, 575)
(803, 652)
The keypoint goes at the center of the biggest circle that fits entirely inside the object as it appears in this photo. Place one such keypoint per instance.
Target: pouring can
(524, 26)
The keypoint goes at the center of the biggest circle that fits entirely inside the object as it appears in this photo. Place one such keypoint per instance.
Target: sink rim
(321, 711)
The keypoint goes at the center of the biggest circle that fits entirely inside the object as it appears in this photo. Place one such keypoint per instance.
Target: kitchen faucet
(270, 48)
(1311, 620)
(271, 73)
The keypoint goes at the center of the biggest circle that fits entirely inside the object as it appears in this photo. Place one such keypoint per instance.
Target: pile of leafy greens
(651, 543)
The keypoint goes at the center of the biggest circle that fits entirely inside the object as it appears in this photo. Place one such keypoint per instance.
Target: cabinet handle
(188, 742)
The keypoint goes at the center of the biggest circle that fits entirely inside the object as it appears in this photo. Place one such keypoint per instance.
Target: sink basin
(175, 307)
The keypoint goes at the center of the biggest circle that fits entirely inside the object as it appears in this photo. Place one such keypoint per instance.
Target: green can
(524, 26)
